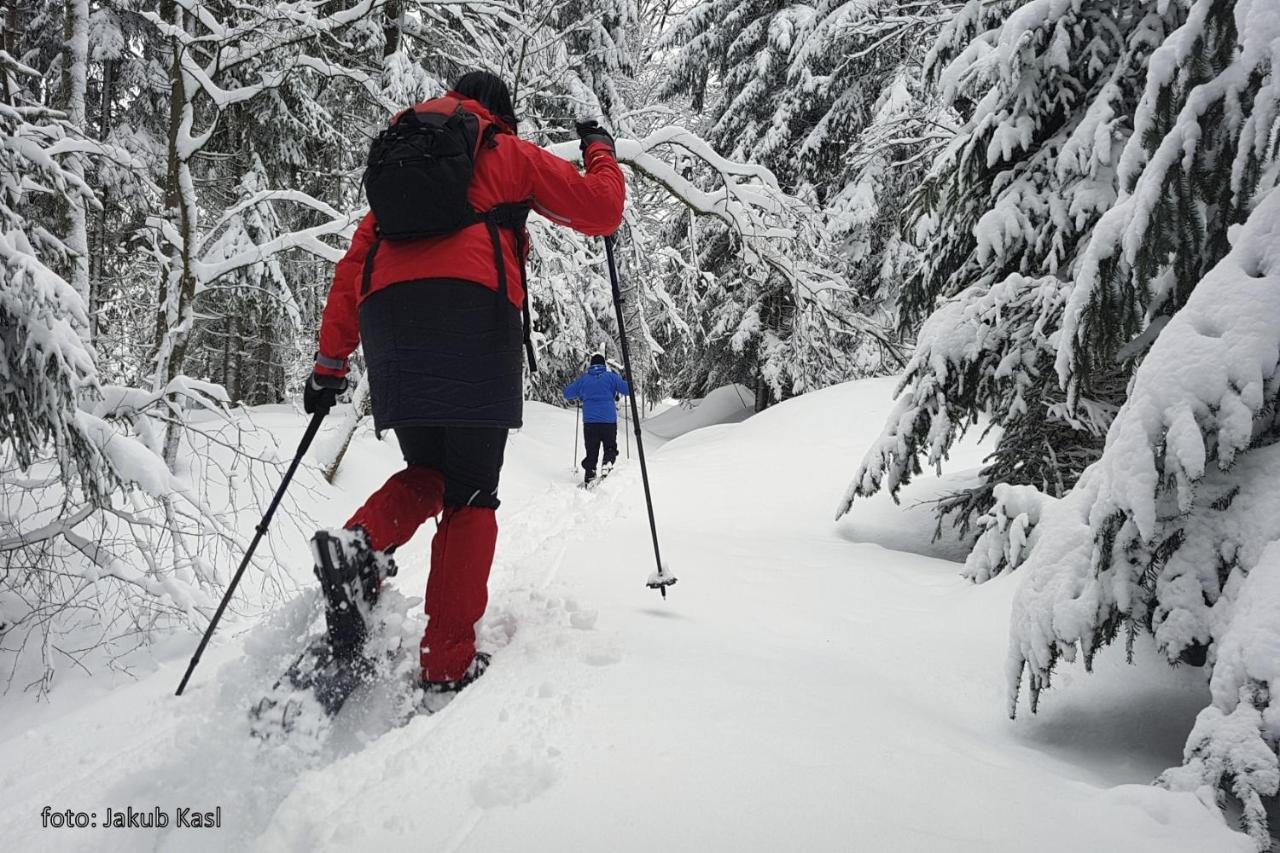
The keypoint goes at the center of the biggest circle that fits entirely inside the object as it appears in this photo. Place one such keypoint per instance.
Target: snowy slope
(803, 687)
(726, 404)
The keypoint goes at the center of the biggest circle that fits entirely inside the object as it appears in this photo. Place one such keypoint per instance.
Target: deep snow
(728, 404)
(807, 685)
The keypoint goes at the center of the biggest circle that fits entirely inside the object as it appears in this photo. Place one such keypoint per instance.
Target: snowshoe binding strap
(475, 669)
(437, 694)
(351, 575)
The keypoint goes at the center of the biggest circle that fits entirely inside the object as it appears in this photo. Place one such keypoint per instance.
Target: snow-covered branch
(1164, 528)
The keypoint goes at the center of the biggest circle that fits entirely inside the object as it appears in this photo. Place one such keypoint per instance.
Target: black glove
(591, 131)
(321, 392)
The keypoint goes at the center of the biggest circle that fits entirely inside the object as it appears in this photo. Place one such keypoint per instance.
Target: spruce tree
(822, 96)
(1047, 92)
(1172, 532)
(46, 364)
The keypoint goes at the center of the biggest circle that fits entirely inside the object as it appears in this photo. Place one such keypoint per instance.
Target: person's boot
(437, 694)
(350, 574)
(588, 476)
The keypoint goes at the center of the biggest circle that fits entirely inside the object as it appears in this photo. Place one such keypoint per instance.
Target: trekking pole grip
(307, 437)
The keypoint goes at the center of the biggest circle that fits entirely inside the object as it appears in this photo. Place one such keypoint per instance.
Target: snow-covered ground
(728, 404)
(806, 685)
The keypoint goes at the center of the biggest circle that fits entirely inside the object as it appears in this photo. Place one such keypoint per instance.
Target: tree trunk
(391, 28)
(633, 316)
(9, 44)
(329, 456)
(238, 349)
(98, 257)
(75, 81)
(763, 394)
(225, 379)
(178, 282)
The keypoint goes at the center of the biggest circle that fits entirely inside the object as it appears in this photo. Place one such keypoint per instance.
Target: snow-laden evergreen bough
(1233, 744)
(1165, 531)
(1047, 89)
(985, 354)
(1009, 531)
(1204, 138)
(827, 97)
(1046, 157)
(45, 363)
(1082, 266)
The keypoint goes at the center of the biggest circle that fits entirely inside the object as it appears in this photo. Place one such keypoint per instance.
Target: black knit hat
(492, 94)
(597, 359)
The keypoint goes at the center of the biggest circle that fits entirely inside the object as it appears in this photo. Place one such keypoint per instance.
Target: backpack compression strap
(513, 216)
(524, 307)
(367, 276)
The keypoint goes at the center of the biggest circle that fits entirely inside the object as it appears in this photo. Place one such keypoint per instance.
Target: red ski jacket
(513, 170)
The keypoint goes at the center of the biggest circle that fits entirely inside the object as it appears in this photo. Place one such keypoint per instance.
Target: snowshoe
(310, 693)
(437, 694)
(334, 665)
(304, 702)
(350, 574)
(593, 479)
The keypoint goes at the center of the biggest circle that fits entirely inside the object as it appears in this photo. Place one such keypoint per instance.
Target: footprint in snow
(515, 781)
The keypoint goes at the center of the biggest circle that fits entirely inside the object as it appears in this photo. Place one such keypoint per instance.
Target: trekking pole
(626, 432)
(307, 438)
(662, 578)
(577, 416)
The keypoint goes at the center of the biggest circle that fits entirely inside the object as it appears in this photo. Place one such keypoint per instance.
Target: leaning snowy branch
(307, 239)
(748, 198)
(752, 205)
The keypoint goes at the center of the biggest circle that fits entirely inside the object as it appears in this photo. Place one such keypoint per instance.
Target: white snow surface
(726, 404)
(797, 689)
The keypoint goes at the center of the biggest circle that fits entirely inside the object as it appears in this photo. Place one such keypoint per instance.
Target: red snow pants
(452, 472)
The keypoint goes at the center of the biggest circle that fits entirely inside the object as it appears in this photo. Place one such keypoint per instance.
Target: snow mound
(728, 404)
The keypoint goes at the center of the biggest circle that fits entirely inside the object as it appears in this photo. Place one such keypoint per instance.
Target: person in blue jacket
(598, 389)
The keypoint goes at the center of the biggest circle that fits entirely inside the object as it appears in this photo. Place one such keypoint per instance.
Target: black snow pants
(597, 435)
(469, 459)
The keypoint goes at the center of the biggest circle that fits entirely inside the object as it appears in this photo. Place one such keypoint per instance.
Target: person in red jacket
(440, 320)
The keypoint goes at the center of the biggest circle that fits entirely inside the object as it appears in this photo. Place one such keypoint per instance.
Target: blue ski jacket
(596, 389)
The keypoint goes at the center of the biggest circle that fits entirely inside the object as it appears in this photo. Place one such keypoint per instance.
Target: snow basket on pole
(307, 438)
(662, 577)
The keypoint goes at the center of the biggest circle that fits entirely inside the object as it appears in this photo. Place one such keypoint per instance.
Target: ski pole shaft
(307, 438)
(635, 414)
(577, 418)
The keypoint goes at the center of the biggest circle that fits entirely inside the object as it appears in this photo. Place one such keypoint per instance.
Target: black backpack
(416, 181)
